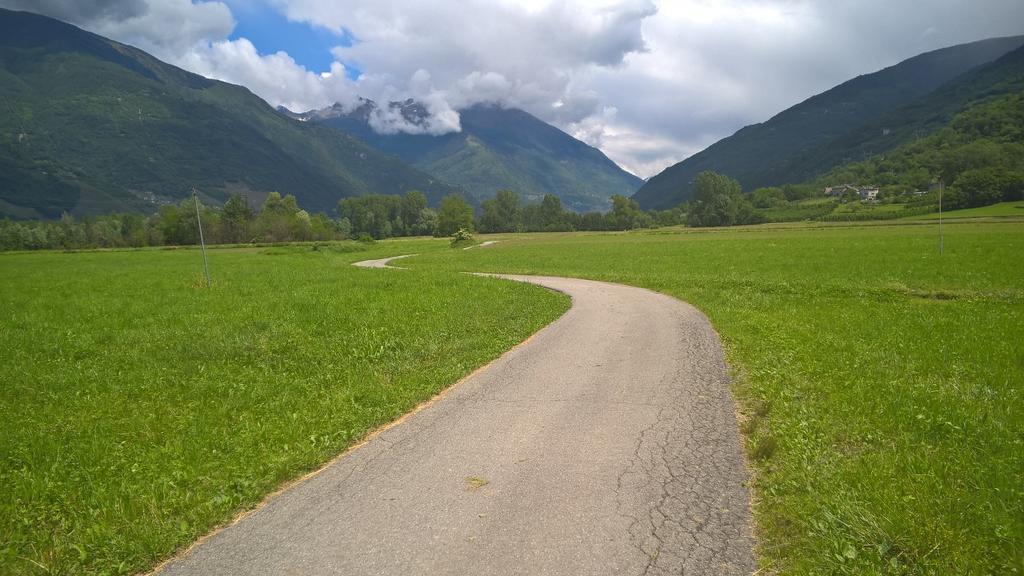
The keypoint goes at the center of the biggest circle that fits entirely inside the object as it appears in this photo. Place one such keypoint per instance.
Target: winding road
(605, 444)
(382, 262)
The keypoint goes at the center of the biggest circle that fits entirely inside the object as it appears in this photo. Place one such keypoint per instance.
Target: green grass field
(880, 384)
(1003, 209)
(140, 410)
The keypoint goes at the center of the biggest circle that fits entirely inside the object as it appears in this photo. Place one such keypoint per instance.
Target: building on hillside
(865, 193)
(868, 194)
(839, 190)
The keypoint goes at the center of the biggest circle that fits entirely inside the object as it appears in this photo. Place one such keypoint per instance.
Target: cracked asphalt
(605, 444)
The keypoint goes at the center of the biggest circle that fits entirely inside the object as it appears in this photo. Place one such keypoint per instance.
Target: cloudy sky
(647, 81)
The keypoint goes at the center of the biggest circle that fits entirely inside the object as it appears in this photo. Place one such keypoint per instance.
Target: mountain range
(496, 148)
(90, 125)
(866, 115)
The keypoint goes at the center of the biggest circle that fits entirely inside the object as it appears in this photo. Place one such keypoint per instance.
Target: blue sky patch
(270, 32)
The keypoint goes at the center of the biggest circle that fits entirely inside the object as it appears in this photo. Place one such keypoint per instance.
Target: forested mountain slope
(864, 115)
(90, 126)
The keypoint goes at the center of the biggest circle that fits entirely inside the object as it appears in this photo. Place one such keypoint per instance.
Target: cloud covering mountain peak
(648, 81)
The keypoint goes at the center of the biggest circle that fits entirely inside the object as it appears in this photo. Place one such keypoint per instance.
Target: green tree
(714, 200)
(73, 233)
(279, 220)
(767, 197)
(301, 226)
(376, 215)
(455, 213)
(794, 192)
(176, 222)
(594, 221)
(236, 219)
(410, 210)
(719, 201)
(503, 213)
(984, 186)
(972, 156)
(323, 228)
(551, 214)
(133, 230)
(627, 215)
(344, 229)
(426, 224)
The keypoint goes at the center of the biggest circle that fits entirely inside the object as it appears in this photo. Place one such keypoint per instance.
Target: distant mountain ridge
(411, 111)
(868, 114)
(497, 148)
(1003, 76)
(90, 125)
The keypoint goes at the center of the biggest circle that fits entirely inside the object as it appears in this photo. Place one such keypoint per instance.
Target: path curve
(605, 444)
(483, 244)
(382, 262)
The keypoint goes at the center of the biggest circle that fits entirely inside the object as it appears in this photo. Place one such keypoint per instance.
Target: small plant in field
(462, 237)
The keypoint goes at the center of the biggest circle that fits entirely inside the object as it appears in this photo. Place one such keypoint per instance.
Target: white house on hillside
(866, 193)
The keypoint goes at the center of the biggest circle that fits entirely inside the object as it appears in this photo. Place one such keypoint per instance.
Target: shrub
(462, 237)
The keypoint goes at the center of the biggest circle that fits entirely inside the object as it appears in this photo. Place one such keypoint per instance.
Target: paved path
(605, 444)
(381, 263)
(484, 244)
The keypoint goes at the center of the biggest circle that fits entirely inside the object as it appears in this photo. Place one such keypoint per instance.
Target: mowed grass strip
(881, 385)
(141, 409)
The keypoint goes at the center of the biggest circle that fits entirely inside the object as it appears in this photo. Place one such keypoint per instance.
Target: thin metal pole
(202, 243)
(940, 218)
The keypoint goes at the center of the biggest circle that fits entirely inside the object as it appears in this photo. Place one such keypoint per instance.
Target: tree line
(279, 220)
(382, 216)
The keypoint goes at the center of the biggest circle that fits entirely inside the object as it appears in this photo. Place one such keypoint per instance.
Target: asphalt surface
(483, 244)
(605, 444)
(382, 262)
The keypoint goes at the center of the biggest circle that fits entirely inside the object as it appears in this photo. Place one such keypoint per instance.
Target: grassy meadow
(140, 409)
(1000, 210)
(880, 384)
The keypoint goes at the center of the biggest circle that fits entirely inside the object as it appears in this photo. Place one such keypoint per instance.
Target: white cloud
(80, 10)
(713, 66)
(648, 82)
(514, 53)
(167, 28)
(275, 77)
